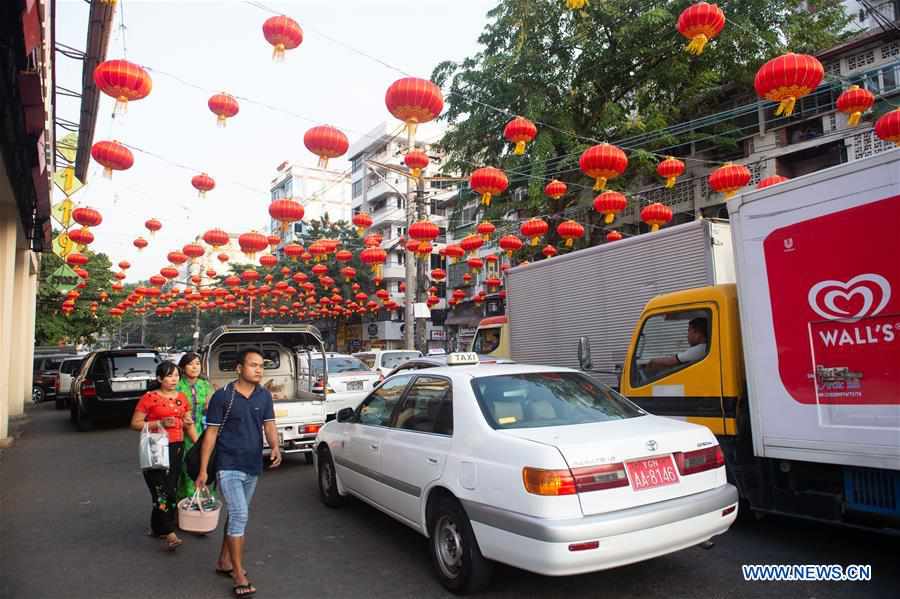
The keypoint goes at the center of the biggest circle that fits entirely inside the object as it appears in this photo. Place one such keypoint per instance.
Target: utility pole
(143, 328)
(195, 346)
(422, 266)
(410, 262)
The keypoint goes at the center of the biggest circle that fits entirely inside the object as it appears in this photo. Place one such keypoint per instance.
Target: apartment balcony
(394, 271)
(378, 188)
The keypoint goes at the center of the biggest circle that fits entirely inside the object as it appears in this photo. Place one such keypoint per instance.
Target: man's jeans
(237, 490)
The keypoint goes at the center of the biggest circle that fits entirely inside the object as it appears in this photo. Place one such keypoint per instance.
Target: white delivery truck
(796, 368)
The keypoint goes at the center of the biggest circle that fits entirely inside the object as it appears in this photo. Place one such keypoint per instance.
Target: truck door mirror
(584, 354)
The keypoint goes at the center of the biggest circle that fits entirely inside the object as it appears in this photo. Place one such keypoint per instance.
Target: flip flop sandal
(250, 591)
(173, 545)
(222, 572)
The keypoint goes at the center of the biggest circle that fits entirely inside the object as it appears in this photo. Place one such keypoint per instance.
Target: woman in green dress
(198, 391)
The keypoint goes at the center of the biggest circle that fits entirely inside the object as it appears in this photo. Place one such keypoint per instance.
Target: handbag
(198, 513)
(154, 449)
(192, 458)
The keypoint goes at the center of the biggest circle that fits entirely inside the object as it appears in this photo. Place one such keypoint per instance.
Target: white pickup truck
(299, 413)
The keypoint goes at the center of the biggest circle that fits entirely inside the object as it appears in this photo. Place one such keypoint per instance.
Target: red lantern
(152, 225)
(140, 243)
(700, 23)
(124, 264)
(76, 259)
(855, 101)
(555, 189)
(82, 236)
(788, 77)
(475, 264)
(293, 251)
(223, 257)
(224, 106)
(519, 131)
(176, 257)
(203, 183)
(486, 229)
(374, 257)
(730, 178)
(887, 128)
(251, 243)
(362, 221)
(416, 160)
(122, 80)
(232, 281)
(274, 241)
(489, 182)
(470, 244)
(534, 229)
(158, 280)
(268, 260)
(344, 256)
(438, 274)
(286, 211)
(670, 169)
(216, 238)
(87, 217)
(193, 250)
(325, 142)
(549, 251)
(613, 236)
(454, 252)
(348, 272)
(168, 272)
(319, 269)
(414, 101)
(112, 156)
(249, 276)
(610, 203)
(655, 215)
(769, 181)
(284, 33)
(570, 230)
(211, 274)
(510, 244)
(602, 163)
(424, 230)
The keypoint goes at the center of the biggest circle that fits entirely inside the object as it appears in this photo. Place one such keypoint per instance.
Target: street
(74, 508)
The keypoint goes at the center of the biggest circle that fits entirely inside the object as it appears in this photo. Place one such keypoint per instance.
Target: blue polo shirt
(240, 441)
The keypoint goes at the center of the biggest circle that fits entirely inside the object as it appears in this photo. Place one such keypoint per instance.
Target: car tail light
(312, 428)
(548, 482)
(729, 510)
(584, 546)
(88, 389)
(700, 460)
(597, 478)
(57, 385)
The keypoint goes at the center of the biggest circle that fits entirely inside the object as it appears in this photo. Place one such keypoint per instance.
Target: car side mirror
(584, 354)
(345, 415)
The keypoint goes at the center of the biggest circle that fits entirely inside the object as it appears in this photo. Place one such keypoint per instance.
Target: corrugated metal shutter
(600, 293)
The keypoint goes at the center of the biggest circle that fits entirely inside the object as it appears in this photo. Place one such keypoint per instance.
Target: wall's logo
(862, 296)
(652, 445)
(789, 244)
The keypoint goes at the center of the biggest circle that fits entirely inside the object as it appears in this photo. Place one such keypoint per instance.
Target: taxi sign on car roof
(462, 358)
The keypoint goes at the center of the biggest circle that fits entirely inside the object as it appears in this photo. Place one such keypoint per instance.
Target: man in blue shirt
(236, 417)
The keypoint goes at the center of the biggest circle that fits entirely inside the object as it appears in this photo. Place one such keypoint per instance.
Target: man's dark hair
(699, 325)
(242, 355)
(164, 369)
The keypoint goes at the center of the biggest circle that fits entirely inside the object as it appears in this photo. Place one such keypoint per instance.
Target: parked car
(537, 467)
(45, 374)
(67, 371)
(346, 383)
(385, 360)
(110, 383)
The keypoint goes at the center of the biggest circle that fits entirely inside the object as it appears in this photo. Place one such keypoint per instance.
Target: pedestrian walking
(198, 391)
(236, 417)
(165, 409)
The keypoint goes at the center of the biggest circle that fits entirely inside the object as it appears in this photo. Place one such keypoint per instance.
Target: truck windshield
(486, 340)
(338, 365)
(538, 399)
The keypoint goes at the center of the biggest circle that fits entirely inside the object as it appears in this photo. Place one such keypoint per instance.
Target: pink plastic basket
(193, 517)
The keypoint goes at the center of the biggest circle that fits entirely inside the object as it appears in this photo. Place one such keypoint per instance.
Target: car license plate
(652, 473)
(355, 386)
(128, 386)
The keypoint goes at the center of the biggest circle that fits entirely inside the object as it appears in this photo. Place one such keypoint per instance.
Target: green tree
(616, 70)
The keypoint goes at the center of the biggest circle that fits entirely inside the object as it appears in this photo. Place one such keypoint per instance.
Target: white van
(385, 360)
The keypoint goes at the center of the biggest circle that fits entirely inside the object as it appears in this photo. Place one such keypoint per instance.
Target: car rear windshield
(538, 399)
(338, 365)
(141, 365)
(367, 359)
(52, 364)
(393, 359)
(70, 366)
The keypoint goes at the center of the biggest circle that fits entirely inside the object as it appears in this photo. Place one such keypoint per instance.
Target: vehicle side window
(379, 406)
(670, 342)
(228, 360)
(427, 407)
(486, 340)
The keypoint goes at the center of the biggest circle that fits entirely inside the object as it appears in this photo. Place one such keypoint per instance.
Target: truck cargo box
(818, 277)
(599, 292)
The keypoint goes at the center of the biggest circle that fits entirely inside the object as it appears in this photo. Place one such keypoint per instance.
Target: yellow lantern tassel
(416, 172)
(107, 172)
(220, 121)
(853, 121)
(730, 194)
(520, 148)
(697, 44)
(486, 198)
(570, 242)
(670, 182)
(121, 106)
(609, 218)
(323, 162)
(654, 227)
(786, 106)
(600, 184)
(278, 53)
(535, 240)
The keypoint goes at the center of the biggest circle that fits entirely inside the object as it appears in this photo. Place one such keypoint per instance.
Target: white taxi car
(536, 467)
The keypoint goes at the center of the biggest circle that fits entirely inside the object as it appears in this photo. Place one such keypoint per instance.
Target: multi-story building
(382, 193)
(321, 191)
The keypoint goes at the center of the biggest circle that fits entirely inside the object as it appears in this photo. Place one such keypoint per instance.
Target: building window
(861, 60)
(357, 163)
(358, 188)
(890, 51)
(833, 69)
(401, 258)
(866, 144)
(400, 203)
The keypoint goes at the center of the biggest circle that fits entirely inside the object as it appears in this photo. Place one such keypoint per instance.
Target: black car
(45, 375)
(110, 383)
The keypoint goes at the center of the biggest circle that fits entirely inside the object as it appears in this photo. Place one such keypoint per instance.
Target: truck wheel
(309, 458)
(38, 394)
(328, 489)
(455, 553)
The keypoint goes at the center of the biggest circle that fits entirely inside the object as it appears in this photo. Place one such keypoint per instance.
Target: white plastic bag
(154, 449)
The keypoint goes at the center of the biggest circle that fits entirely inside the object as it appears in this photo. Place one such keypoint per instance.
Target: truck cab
(492, 337)
(299, 413)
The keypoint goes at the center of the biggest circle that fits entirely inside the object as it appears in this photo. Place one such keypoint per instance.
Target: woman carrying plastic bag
(165, 411)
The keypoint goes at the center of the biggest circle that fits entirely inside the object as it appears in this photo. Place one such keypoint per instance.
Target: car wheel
(309, 458)
(328, 489)
(38, 394)
(455, 553)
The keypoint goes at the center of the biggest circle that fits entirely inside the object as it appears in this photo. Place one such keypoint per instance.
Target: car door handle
(432, 460)
(373, 446)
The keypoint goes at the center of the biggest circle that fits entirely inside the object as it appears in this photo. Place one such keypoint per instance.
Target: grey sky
(219, 46)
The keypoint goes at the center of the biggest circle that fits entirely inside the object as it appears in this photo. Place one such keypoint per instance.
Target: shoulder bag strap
(227, 410)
